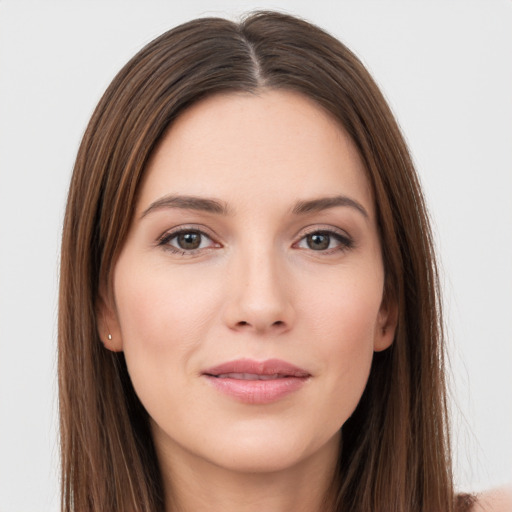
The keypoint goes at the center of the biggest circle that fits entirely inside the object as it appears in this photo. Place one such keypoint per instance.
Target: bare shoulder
(496, 500)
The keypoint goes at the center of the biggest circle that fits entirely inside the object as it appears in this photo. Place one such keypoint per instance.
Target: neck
(193, 484)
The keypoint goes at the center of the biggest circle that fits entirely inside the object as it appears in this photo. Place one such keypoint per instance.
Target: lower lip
(257, 391)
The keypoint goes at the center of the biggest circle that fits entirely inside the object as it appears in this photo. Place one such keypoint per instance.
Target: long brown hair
(395, 447)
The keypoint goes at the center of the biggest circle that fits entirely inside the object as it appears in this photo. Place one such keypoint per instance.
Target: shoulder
(496, 500)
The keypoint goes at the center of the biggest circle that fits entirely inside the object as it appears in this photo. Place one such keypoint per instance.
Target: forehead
(272, 146)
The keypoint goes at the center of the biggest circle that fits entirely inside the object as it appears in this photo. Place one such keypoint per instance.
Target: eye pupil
(189, 240)
(318, 241)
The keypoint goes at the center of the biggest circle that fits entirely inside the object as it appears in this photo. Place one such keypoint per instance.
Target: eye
(186, 241)
(325, 241)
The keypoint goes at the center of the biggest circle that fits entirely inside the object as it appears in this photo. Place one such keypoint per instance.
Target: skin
(495, 500)
(258, 286)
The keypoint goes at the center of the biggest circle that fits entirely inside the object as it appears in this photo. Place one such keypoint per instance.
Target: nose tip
(260, 300)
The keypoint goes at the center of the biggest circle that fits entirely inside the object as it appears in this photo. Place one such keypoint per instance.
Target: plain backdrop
(446, 69)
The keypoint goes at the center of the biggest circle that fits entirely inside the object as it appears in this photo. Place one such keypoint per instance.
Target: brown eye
(318, 241)
(189, 241)
(325, 241)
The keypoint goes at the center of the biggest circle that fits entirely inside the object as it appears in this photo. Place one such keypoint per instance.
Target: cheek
(159, 310)
(345, 308)
(344, 322)
(163, 319)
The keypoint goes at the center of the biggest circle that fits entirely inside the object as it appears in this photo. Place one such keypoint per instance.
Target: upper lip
(248, 366)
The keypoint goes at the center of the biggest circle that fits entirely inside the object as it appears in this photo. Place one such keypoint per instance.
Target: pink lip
(256, 382)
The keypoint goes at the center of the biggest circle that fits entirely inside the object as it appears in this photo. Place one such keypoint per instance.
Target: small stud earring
(109, 336)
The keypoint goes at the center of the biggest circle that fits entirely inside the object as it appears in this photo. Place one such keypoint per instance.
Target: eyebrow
(325, 203)
(188, 203)
(221, 208)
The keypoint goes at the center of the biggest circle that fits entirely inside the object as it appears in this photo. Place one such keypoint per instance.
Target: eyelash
(344, 241)
(164, 240)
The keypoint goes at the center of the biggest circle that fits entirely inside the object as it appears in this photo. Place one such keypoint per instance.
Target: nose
(259, 295)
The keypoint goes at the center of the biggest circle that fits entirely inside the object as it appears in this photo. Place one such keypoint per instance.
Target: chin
(269, 452)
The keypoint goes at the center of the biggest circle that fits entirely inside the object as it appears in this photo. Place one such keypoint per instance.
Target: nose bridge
(259, 295)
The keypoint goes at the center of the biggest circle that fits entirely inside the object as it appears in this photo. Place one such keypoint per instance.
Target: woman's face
(248, 295)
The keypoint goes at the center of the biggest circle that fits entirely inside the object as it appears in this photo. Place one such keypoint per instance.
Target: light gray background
(446, 68)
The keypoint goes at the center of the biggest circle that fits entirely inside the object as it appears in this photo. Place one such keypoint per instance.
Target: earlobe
(386, 325)
(108, 324)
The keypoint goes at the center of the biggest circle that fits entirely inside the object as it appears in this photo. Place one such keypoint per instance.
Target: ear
(387, 321)
(109, 329)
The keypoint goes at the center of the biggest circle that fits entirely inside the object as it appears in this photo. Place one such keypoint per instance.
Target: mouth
(247, 369)
(250, 376)
(256, 382)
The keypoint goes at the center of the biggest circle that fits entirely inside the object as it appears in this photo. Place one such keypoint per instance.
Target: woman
(249, 311)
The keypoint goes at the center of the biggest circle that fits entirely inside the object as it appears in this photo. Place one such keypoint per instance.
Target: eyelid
(169, 234)
(346, 240)
(322, 228)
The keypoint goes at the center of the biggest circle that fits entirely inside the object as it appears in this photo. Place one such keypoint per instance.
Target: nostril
(244, 323)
